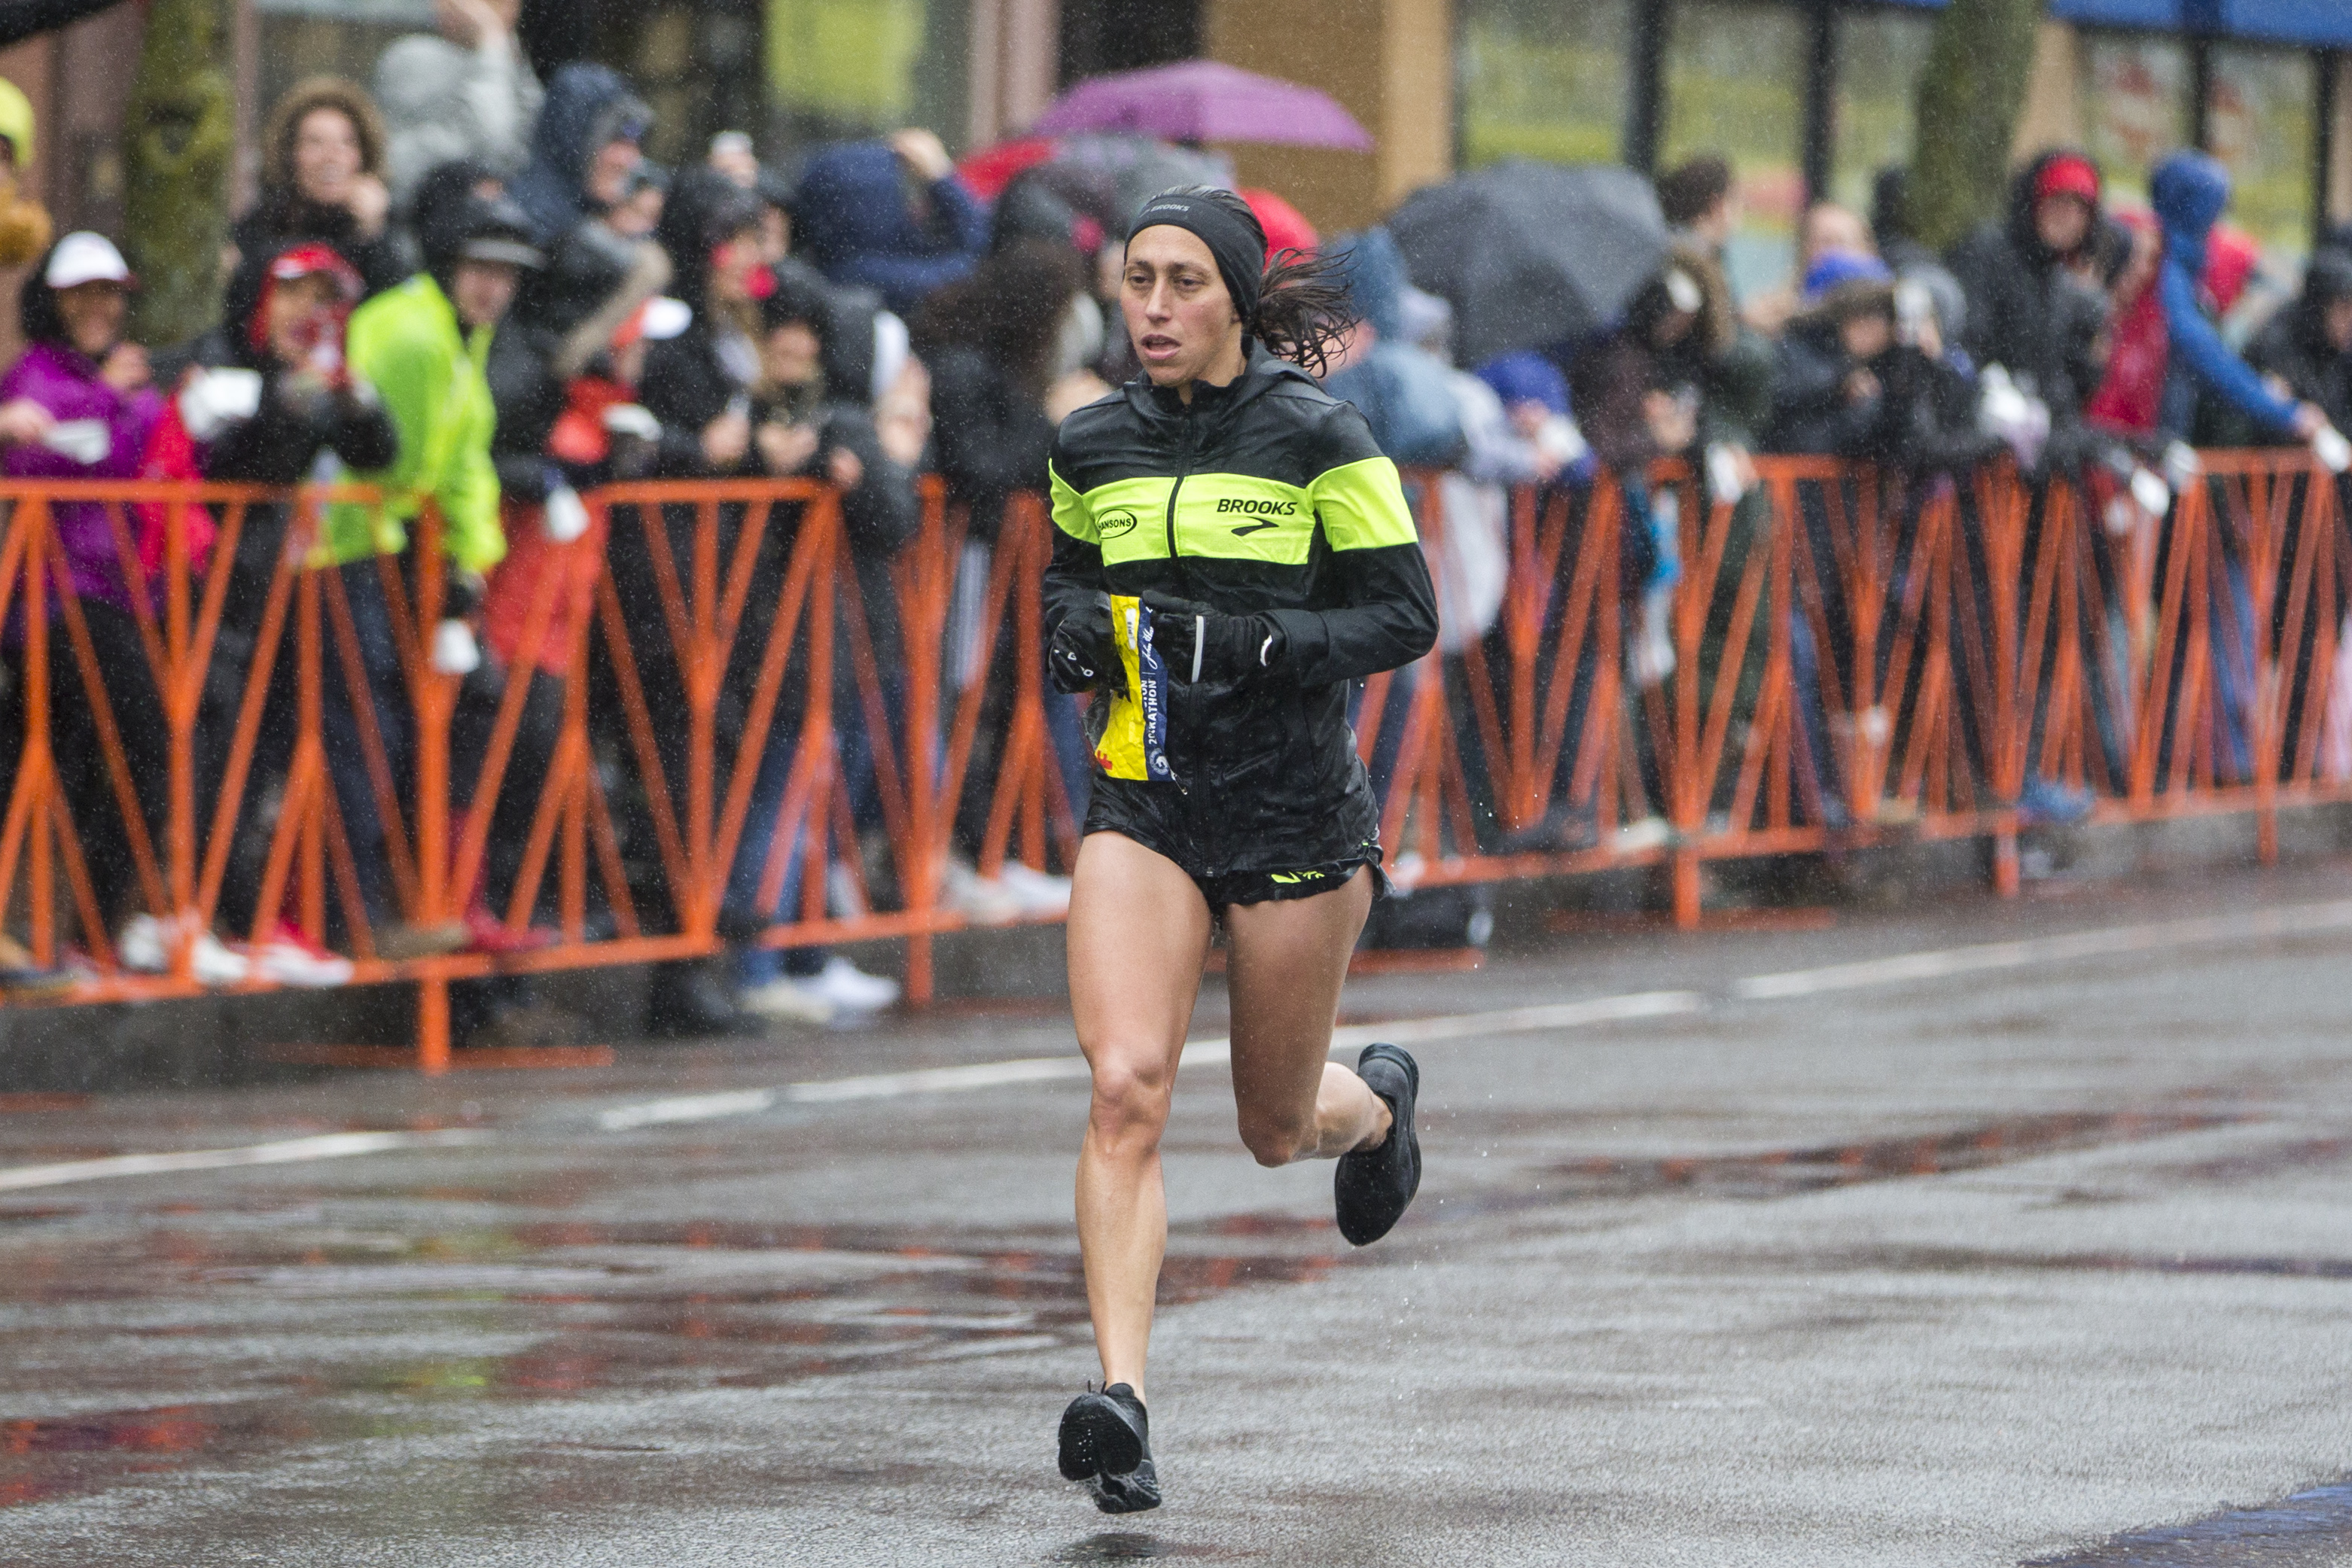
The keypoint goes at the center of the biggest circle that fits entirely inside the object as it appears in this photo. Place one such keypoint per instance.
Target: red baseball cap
(2068, 176)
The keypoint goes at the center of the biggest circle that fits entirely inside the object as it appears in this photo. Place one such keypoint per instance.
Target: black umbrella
(1529, 254)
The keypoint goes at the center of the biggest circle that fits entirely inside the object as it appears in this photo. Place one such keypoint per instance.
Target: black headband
(1240, 253)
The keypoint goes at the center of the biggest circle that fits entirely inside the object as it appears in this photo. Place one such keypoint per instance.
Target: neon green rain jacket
(407, 344)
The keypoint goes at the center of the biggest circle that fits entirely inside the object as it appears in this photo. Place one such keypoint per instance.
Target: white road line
(686, 1108)
(2292, 920)
(1197, 1053)
(2115, 939)
(326, 1146)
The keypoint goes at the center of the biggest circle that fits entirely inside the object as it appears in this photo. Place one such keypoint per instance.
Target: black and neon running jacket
(1267, 495)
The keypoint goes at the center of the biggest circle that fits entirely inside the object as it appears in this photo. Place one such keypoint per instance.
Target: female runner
(1263, 559)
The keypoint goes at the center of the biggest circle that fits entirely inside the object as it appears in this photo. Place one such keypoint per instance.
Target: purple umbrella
(1204, 100)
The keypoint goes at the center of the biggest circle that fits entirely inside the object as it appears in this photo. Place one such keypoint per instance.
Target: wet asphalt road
(2048, 1259)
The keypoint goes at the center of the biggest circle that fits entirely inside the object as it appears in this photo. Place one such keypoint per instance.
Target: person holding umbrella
(1230, 551)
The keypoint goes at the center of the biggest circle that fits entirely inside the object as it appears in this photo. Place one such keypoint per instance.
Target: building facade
(1808, 98)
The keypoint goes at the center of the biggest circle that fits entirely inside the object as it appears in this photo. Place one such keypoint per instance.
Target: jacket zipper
(1182, 468)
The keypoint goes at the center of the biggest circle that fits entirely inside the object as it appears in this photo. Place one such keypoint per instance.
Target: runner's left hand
(1199, 643)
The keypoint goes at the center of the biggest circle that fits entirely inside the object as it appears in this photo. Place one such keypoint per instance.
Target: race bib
(1134, 739)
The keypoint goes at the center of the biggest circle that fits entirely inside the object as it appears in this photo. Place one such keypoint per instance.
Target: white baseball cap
(86, 257)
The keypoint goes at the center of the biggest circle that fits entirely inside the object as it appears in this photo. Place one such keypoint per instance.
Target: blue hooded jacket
(588, 106)
(851, 216)
(2188, 192)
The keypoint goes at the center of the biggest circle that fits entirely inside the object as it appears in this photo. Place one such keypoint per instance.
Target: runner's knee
(1275, 1138)
(1131, 1099)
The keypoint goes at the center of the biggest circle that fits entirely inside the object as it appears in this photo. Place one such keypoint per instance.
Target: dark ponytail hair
(1304, 309)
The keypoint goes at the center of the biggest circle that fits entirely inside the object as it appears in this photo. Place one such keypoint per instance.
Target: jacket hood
(2326, 279)
(2189, 191)
(2021, 203)
(1376, 278)
(587, 105)
(703, 208)
(851, 202)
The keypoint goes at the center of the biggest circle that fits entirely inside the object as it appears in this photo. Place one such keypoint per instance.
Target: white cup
(2334, 452)
(454, 651)
(86, 441)
(566, 516)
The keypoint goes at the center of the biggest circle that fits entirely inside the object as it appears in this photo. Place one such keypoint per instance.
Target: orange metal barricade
(1856, 660)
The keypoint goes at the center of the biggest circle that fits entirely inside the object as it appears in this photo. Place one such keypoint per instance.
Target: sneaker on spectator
(534, 1026)
(1644, 834)
(291, 958)
(846, 989)
(1040, 895)
(486, 933)
(19, 975)
(145, 947)
(981, 900)
(2047, 801)
(1566, 829)
(782, 1001)
(404, 940)
(842, 899)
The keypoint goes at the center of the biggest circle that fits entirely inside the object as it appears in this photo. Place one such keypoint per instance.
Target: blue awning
(2311, 23)
(2161, 15)
(2319, 21)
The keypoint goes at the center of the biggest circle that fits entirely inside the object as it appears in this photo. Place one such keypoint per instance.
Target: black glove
(1197, 642)
(1084, 653)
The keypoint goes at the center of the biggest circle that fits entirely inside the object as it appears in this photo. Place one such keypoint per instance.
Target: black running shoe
(1106, 1443)
(1374, 1186)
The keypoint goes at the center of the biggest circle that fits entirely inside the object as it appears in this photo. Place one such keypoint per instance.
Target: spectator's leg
(378, 675)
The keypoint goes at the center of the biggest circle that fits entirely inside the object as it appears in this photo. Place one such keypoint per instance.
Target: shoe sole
(1095, 1440)
(1136, 1492)
(1400, 1127)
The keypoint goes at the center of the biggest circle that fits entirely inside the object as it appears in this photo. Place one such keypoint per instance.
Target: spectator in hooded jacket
(283, 321)
(589, 139)
(465, 91)
(2305, 350)
(856, 217)
(2189, 190)
(800, 430)
(698, 384)
(322, 179)
(2021, 276)
(423, 346)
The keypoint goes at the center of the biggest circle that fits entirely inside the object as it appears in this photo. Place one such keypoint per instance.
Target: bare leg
(1139, 931)
(1286, 963)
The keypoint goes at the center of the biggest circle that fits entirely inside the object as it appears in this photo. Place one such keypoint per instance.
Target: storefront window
(2260, 108)
(1735, 86)
(2135, 98)
(858, 68)
(329, 37)
(1541, 79)
(1879, 57)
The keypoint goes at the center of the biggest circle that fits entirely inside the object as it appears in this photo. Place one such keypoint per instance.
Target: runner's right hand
(1084, 653)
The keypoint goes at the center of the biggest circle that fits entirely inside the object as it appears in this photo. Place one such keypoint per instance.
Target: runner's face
(1179, 312)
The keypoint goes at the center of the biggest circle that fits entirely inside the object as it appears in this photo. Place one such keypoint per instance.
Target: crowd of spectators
(470, 290)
